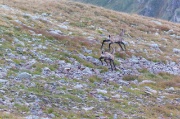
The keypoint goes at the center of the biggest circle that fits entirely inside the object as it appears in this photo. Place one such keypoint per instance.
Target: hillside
(50, 68)
(164, 9)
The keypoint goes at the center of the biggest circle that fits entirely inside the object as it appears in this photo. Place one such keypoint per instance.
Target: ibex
(115, 39)
(107, 56)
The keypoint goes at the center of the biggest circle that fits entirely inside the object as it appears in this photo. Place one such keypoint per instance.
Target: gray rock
(101, 91)
(155, 46)
(178, 100)
(17, 41)
(146, 82)
(87, 70)
(123, 83)
(116, 96)
(3, 74)
(170, 89)
(134, 82)
(115, 116)
(29, 64)
(58, 32)
(48, 60)
(156, 22)
(87, 108)
(78, 86)
(3, 81)
(85, 50)
(150, 91)
(35, 117)
(51, 115)
(24, 75)
(177, 51)
(63, 26)
(46, 71)
(45, 14)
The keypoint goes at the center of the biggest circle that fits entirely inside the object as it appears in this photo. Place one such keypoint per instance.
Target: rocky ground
(41, 78)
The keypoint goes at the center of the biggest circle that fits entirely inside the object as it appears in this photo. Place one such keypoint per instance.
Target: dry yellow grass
(7, 115)
(163, 111)
(173, 82)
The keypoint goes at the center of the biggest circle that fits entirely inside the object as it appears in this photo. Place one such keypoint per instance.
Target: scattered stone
(16, 41)
(78, 86)
(176, 51)
(46, 71)
(35, 117)
(87, 108)
(115, 116)
(170, 89)
(63, 26)
(3, 81)
(58, 32)
(146, 82)
(155, 46)
(116, 96)
(123, 83)
(29, 64)
(150, 91)
(85, 50)
(101, 91)
(24, 75)
(156, 22)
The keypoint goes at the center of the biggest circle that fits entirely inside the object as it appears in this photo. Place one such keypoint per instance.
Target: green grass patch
(93, 79)
(21, 108)
(78, 24)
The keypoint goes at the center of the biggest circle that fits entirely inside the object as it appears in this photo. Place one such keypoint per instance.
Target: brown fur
(115, 39)
(107, 56)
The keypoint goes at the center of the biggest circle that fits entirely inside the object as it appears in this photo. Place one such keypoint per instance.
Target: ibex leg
(104, 42)
(124, 45)
(101, 60)
(111, 65)
(114, 65)
(105, 60)
(110, 46)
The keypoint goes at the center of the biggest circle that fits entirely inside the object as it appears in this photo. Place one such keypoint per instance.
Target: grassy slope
(80, 17)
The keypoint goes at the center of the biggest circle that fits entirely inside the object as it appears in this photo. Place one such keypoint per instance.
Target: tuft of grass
(21, 108)
(144, 70)
(163, 27)
(173, 81)
(166, 111)
(121, 55)
(130, 77)
(78, 24)
(93, 79)
(103, 69)
(165, 75)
